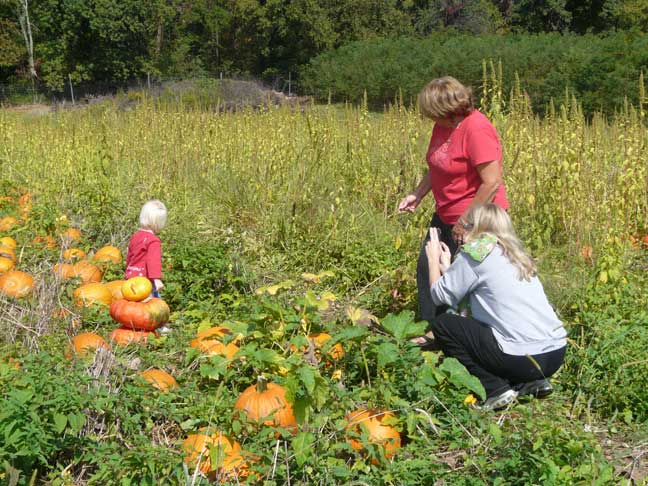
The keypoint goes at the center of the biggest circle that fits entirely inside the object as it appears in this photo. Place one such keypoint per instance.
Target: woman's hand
(433, 247)
(408, 204)
(445, 259)
(158, 284)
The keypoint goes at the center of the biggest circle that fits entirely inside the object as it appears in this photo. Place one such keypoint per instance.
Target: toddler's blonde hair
(445, 98)
(490, 218)
(153, 216)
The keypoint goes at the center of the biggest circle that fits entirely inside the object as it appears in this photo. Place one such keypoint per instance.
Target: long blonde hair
(490, 218)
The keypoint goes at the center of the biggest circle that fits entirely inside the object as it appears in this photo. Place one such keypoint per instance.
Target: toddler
(144, 258)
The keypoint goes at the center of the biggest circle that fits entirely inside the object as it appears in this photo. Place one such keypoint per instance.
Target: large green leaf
(303, 446)
(402, 326)
(459, 376)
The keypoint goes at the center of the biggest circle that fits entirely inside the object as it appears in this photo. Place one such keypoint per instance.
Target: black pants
(427, 309)
(474, 345)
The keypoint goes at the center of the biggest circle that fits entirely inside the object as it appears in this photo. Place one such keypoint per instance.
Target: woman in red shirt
(464, 169)
(144, 258)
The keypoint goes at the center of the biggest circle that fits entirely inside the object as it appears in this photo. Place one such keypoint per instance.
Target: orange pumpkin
(214, 347)
(137, 289)
(87, 272)
(6, 252)
(115, 288)
(70, 235)
(217, 331)
(124, 336)
(46, 241)
(378, 432)
(88, 342)
(201, 448)
(145, 316)
(267, 402)
(319, 339)
(161, 380)
(6, 264)
(91, 293)
(64, 270)
(108, 254)
(15, 283)
(7, 223)
(9, 242)
(74, 254)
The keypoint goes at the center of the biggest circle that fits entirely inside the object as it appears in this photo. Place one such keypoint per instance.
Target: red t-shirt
(453, 155)
(144, 258)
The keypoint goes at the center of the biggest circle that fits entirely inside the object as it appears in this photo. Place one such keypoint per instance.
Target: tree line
(47, 41)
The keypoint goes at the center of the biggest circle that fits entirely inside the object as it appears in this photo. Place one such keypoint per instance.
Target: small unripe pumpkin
(137, 289)
(15, 283)
(91, 293)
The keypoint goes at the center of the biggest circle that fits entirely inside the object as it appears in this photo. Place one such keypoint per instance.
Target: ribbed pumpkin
(88, 342)
(124, 336)
(267, 402)
(161, 380)
(145, 316)
(6, 264)
(108, 254)
(87, 272)
(91, 293)
(8, 241)
(200, 448)
(6, 252)
(7, 223)
(74, 254)
(214, 347)
(115, 288)
(15, 283)
(372, 420)
(136, 289)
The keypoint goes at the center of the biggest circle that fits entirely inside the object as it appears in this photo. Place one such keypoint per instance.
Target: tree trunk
(25, 26)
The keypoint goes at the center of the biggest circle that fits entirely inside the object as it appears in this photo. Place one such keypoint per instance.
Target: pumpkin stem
(262, 384)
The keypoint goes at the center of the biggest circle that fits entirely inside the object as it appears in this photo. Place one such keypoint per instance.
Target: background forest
(402, 43)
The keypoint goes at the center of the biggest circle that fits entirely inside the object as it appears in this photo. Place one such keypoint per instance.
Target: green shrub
(601, 71)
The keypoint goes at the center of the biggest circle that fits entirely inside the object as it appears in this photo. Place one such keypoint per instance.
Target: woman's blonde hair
(153, 216)
(444, 98)
(490, 218)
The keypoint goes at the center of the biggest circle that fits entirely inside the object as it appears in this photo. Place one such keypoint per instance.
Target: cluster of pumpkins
(129, 303)
(13, 282)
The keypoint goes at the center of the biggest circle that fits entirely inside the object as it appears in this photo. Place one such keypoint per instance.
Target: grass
(255, 199)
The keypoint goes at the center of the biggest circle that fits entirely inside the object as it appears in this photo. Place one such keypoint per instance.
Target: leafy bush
(600, 71)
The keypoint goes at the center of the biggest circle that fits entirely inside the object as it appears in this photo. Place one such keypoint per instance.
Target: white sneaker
(499, 401)
(164, 330)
